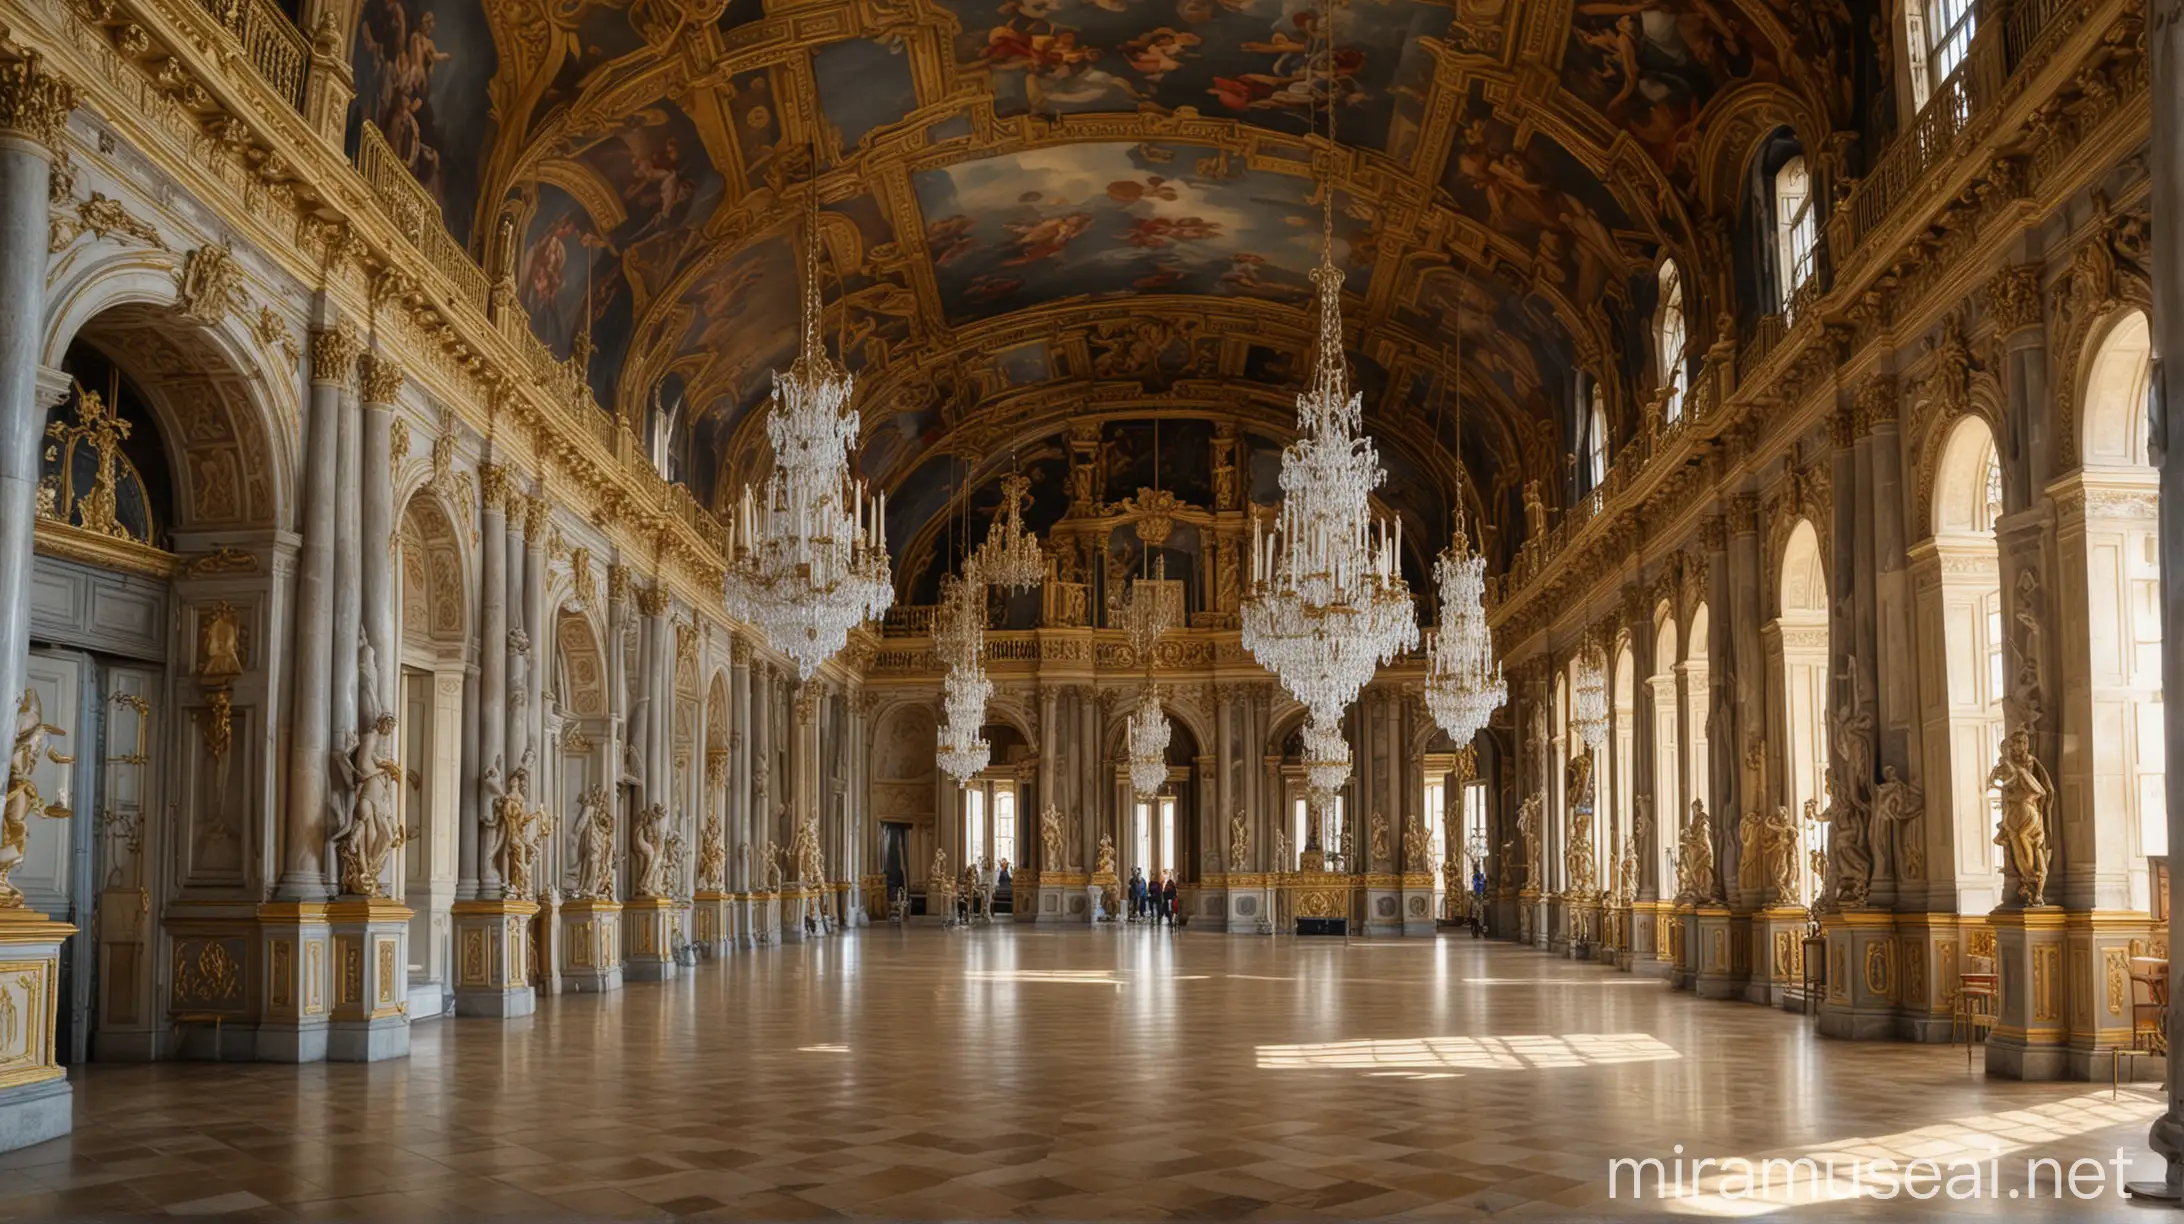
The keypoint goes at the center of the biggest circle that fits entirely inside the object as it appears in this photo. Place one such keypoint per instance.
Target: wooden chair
(1978, 1000)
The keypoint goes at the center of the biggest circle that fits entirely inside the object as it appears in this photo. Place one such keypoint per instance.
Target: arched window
(1669, 338)
(664, 442)
(1596, 440)
(1964, 719)
(1796, 229)
(1698, 703)
(1668, 806)
(1801, 634)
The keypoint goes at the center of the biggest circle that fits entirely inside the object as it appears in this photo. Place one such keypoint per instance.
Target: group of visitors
(1152, 900)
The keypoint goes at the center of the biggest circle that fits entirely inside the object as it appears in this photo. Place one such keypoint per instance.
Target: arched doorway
(2108, 542)
(906, 791)
(1668, 806)
(1958, 575)
(1798, 638)
(435, 654)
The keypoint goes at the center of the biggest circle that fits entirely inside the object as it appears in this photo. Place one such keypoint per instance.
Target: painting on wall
(864, 85)
(1651, 66)
(1103, 220)
(418, 67)
(566, 271)
(1262, 61)
(1542, 199)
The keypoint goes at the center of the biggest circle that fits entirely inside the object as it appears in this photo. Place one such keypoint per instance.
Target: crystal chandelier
(1464, 684)
(1326, 760)
(959, 639)
(1328, 605)
(1589, 696)
(962, 754)
(1148, 737)
(1010, 557)
(810, 559)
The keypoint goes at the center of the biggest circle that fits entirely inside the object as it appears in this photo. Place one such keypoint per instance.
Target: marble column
(742, 847)
(37, 1103)
(2165, 42)
(303, 869)
(492, 704)
(382, 384)
(540, 624)
(348, 581)
(466, 845)
(517, 647)
(34, 108)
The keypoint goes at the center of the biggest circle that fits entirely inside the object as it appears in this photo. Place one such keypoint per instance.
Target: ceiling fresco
(1038, 211)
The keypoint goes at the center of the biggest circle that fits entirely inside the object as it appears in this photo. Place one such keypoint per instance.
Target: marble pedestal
(37, 1102)
(1528, 912)
(1651, 950)
(1861, 993)
(1250, 904)
(712, 921)
(648, 925)
(293, 947)
(1062, 897)
(591, 931)
(1104, 895)
(1716, 953)
(763, 913)
(493, 958)
(799, 902)
(1778, 955)
(1383, 904)
(370, 940)
(2031, 1036)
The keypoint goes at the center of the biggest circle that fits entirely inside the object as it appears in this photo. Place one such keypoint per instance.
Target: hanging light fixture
(1148, 735)
(1326, 759)
(959, 642)
(1589, 695)
(1327, 605)
(810, 558)
(1011, 556)
(1464, 684)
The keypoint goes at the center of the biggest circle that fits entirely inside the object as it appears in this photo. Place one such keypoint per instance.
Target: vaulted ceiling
(1037, 212)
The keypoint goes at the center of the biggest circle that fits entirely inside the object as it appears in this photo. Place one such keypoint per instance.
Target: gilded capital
(334, 353)
(1744, 513)
(2013, 298)
(535, 510)
(35, 103)
(739, 651)
(492, 485)
(652, 600)
(617, 583)
(382, 378)
(1713, 533)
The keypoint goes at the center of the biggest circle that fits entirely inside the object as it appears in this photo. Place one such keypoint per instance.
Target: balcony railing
(270, 41)
(417, 215)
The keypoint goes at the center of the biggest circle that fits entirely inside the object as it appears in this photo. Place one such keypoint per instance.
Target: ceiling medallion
(809, 561)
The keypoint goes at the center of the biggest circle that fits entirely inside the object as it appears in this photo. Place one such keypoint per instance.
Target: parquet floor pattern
(1023, 1073)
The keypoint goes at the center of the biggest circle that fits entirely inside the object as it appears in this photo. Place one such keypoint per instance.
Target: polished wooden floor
(1012, 1072)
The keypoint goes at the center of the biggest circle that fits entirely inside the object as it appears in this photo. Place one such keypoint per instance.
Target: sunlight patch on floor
(1094, 977)
(1429, 1057)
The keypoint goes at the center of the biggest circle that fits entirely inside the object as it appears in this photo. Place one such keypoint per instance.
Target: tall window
(1670, 337)
(974, 824)
(1436, 812)
(1299, 818)
(1796, 230)
(1596, 440)
(1156, 833)
(1949, 28)
(666, 424)
(1004, 825)
(1475, 821)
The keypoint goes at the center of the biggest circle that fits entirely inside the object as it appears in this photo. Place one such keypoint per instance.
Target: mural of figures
(420, 67)
(743, 318)
(1110, 219)
(564, 263)
(1652, 65)
(590, 37)
(1260, 60)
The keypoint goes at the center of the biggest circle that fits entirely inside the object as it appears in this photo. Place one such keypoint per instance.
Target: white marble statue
(595, 845)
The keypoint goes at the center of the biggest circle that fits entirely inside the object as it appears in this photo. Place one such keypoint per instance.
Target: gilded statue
(374, 830)
(1050, 839)
(1380, 839)
(1416, 845)
(712, 855)
(810, 861)
(2028, 799)
(1579, 863)
(1778, 845)
(522, 827)
(1528, 835)
(1239, 841)
(648, 852)
(220, 643)
(595, 845)
(1104, 863)
(936, 878)
(23, 800)
(1701, 884)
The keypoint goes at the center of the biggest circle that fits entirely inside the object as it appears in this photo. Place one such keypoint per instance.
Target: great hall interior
(1088, 608)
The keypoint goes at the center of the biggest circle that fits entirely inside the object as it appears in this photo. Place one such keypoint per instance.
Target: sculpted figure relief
(1778, 843)
(1239, 842)
(810, 861)
(1380, 840)
(594, 845)
(648, 852)
(1701, 884)
(1105, 862)
(2028, 797)
(23, 800)
(712, 855)
(1415, 846)
(374, 830)
(1528, 834)
(1897, 806)
(1051, 857)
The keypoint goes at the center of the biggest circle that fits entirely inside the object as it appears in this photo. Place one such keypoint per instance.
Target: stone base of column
(294, 949)
(648, 925)
(1383, 903)
(1103, 894)
(1861, 998)
(1247, 903)
(2031, 1038)
(493, 958)
(37, 1102)
(1052, 897)
(800, 902)
(713, 922)
(1683, 943)
(1932, 951)
(1418, 903)
(1204, 906)
(1651, 953)
(370, 939)
(765, 919)
(1722, 959)
(1778, 955)
(546, 955)
(591, 932)
(2097, 948)
(877, 906)
(1528, 915)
